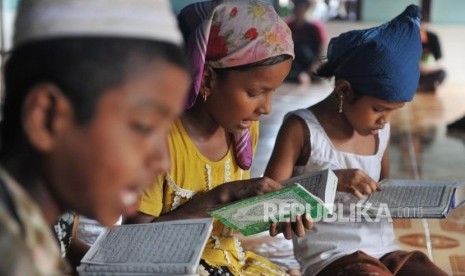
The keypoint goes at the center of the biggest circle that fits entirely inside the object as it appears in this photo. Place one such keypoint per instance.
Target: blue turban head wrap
(381, 62)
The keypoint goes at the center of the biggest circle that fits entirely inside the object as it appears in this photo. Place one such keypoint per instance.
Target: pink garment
(231, 33)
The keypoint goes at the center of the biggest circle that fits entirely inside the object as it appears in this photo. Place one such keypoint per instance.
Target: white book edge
(87, 262)
(330, 181)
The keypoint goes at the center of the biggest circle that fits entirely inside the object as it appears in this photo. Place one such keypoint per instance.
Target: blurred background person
(318, 11)
(308, 39)
(432, 73)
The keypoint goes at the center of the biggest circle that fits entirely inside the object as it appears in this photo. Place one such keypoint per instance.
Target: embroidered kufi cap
(48, 19)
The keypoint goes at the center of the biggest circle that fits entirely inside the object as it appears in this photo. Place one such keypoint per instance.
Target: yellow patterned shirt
(191, 172)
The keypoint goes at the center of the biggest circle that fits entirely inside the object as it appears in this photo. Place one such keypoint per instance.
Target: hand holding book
(200, 203)
(356, 182)
(256, 214)
(419, 198)
(409, 198)
(298, 227)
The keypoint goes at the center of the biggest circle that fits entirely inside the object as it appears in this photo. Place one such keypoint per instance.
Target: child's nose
(159, 160)
(265, 105)
(381, 121)
(385, 119)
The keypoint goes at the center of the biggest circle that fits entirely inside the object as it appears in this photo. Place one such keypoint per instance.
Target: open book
(162, 248)
(311, 194)
(401, 198)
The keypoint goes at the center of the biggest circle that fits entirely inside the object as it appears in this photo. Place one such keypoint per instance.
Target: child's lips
(129, 198)
(246, 124)
(376, 130)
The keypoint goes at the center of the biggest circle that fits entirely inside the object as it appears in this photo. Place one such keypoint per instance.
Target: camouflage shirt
(27, 245)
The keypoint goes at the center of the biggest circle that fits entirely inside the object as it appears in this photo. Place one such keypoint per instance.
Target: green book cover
(255, 214)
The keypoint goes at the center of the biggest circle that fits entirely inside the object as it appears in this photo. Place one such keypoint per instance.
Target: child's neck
(341, 133)
(328, 115)
(207, 135)
(34, 184)
(200, 125)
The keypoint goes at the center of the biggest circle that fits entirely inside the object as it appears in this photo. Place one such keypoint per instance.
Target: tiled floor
(420, 147)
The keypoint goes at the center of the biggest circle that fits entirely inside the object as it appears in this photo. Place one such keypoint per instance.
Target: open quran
(312, 194)
(402, 198)
(162, 248)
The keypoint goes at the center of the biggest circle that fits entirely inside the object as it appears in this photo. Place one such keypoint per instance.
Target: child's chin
(130, 210)
(365, 133)
(109, 220)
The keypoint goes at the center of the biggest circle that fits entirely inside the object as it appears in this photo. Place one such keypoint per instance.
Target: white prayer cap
(145, 19)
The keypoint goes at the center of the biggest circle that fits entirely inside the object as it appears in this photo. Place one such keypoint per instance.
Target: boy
(90, 94)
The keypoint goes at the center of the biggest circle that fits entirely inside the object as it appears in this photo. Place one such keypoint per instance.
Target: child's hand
(226, 193)
(237, 190)
(356, 182)
(302, 223)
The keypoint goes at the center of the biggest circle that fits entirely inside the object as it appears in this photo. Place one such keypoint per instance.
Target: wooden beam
(426, 10)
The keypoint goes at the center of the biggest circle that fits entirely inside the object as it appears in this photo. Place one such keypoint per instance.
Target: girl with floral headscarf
(240, 52)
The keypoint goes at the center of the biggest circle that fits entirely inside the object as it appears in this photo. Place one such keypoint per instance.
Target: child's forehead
(384, 103)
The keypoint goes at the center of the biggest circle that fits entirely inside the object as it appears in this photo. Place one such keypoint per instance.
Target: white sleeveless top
(329, 241)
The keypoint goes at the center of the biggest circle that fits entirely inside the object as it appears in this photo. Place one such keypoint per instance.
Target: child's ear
(208, 80)
(343, 88)
(46, 113)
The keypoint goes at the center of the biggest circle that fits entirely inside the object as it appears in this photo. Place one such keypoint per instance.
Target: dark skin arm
(287, 149)
(77, 248)
(359, 183)
(198, 205)
(228, 192)
(290, 149)
(356, 182)
(283, 158)
(76, 251)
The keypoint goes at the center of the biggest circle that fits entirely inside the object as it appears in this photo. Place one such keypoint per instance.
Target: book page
(407, 198)
(303, 194)
(253, 215)
(459, 199)
(421, 197)
(176, 245)
(315, 183)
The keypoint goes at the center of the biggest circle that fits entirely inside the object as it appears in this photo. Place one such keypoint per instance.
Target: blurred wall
(442, 11)
(448, 11)
(382, 10)
(8, 15)
(179, 4)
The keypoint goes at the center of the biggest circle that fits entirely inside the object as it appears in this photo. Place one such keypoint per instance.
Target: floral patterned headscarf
(230, 33)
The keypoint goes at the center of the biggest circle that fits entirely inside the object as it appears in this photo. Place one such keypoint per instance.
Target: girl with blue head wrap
(376, 72)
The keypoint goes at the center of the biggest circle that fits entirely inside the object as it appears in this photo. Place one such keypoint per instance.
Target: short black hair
(81, 67)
